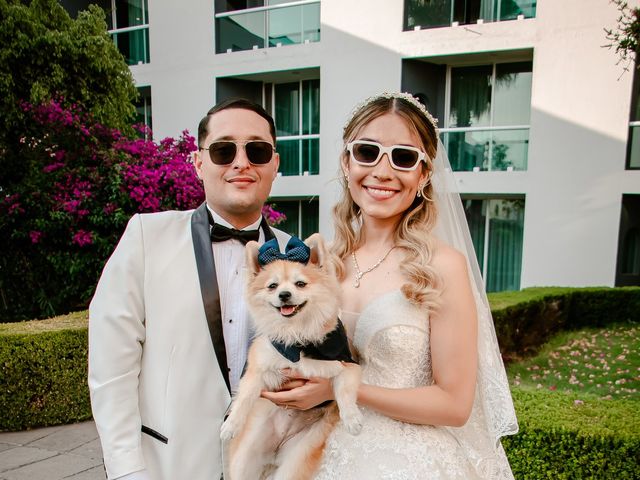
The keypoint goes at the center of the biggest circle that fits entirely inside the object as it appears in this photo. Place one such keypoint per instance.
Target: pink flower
(82, 238)
(52, 167)
(35, 236)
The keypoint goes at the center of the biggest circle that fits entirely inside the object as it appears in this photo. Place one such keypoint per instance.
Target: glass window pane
(470, 96)
(634, 147)
(240, 32)
(289, 151)
(311, 22)
(231, 5)
(475, 213)
(467, 150)
(635, 104)
(130, 13)
(631, 252)
(469, 11)
(285, 26)
(427, 13)
(287, 113)
(311, 156)
(512, 94)
(309, 217)
(143, 107)
(510, 9)
(310, 107)
(133, 45)
(509, 148)
(504, 263)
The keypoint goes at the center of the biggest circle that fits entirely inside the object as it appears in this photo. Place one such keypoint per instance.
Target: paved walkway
(53, 453)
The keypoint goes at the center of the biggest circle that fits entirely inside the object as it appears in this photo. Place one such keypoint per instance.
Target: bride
(434, 393)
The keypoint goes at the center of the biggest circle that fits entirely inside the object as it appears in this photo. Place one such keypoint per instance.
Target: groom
(168, 326)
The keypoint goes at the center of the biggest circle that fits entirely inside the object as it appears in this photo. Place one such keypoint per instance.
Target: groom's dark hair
(239, 103)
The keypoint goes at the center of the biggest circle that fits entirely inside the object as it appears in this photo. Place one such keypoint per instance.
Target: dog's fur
(269, 441)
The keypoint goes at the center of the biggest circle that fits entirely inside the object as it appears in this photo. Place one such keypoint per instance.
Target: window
(487, 116)
(128, 23)
(628, 264)
(633, 144)
(251, 24)
(497, 226)
(143, 107)
(302, 216)
(442, 13)
(295, 107)
(293, 99)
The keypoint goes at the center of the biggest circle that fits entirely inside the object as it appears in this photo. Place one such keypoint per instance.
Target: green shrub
(44, 378)
(573, 436)
(525, 320)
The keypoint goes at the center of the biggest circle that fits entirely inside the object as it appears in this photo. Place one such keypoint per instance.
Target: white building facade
(537, 116)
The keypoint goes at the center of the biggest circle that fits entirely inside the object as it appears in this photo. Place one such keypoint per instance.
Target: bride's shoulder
(448, 260)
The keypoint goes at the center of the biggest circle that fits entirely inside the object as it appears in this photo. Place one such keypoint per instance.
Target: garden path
(70, 452)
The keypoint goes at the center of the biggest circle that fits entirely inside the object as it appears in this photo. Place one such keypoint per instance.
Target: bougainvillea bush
(84, 181)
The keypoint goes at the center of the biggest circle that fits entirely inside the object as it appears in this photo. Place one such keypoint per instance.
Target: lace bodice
(393, 344)
(391, 337)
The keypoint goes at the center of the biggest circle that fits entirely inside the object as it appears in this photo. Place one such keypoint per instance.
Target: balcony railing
(444, 13)
(271, 26)
(133, 43)
(487, 148)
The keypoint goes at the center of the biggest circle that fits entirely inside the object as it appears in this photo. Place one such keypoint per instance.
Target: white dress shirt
(229, 258)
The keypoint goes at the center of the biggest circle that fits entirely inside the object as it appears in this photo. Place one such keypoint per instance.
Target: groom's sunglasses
(401, 157)
(224, 152)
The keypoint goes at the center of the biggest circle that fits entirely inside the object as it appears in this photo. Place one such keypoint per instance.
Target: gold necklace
(360, 274)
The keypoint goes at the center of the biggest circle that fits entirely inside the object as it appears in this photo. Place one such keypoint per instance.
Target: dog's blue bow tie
(296, 251)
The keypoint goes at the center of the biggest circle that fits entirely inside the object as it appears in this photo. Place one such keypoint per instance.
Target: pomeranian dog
(293, 301)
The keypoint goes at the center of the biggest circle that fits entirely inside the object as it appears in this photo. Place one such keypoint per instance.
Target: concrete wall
(579, 117)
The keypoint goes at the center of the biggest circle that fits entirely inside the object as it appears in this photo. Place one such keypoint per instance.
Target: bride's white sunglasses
(401, 157)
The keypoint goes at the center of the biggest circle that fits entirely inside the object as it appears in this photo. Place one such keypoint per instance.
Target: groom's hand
(301, 393)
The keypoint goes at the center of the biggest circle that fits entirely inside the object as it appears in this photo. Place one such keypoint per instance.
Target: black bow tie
(220, 233)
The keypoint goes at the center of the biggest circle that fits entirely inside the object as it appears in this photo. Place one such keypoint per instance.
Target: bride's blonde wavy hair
(413, 231)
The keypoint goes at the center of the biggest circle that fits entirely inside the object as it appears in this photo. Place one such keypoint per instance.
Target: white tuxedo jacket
(157, 393)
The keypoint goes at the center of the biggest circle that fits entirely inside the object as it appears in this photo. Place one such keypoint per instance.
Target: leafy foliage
(523, 326)
(83, 181)
(562, 438)
(44, 54)
(626, 36)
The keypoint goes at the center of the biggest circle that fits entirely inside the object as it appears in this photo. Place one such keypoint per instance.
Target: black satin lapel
(266, 229)
(209, 285)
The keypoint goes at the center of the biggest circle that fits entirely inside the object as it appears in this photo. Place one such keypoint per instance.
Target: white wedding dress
(391, 337)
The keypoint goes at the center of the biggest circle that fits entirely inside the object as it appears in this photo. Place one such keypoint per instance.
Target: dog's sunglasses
(401, 157)
(224, 152)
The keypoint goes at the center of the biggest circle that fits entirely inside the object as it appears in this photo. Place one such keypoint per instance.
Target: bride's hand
(301, 393)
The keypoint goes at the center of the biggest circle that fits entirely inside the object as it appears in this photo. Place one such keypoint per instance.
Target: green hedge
(527, 319)
(44, 379)
(559, 439)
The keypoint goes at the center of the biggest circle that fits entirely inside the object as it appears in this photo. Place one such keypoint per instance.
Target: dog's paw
(227, 431)
(353, 421)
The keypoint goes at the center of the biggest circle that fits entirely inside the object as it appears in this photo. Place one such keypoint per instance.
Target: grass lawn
(598, 362)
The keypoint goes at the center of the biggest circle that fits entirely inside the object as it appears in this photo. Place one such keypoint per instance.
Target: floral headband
(399, 95)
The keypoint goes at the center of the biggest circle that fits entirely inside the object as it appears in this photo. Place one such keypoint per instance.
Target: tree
(626, 36)
(45, 55)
